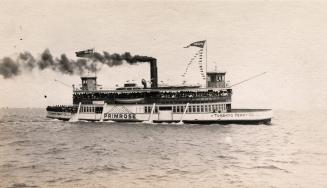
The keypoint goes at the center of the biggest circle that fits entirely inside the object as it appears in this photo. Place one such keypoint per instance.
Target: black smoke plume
(25, 62)
(117, 59)
(9, 68)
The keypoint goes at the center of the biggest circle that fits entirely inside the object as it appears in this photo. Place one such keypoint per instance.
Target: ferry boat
(211, 104)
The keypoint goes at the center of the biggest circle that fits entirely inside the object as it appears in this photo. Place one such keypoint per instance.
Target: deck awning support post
(150, 120)
(75, 117)
(78, 110)
(185, 110)
(102, 114)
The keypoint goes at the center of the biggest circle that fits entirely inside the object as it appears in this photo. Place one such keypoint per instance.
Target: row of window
(191, 108)
(147, 109)
(175, 109)
(87, 109)
(91, 109)
(200, 108)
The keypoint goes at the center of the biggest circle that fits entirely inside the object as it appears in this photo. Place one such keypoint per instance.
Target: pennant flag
(199, 44)
(84, 53)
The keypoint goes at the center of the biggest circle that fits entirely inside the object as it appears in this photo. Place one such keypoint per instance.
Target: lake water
(39, 152)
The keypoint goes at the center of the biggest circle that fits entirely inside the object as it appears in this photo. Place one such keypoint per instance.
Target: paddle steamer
(179, 104)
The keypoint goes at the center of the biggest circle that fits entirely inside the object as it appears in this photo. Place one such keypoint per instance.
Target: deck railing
(159, 100)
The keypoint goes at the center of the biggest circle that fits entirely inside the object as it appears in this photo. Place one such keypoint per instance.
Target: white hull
(136, 113)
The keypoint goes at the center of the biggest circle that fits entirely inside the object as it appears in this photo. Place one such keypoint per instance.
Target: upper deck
(132, 94)
(151, 90)
(149, 96)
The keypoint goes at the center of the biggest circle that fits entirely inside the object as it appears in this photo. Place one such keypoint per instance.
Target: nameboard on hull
(119, 116)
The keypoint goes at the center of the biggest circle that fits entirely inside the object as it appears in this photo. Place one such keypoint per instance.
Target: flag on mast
(85, 53)
(199, 44)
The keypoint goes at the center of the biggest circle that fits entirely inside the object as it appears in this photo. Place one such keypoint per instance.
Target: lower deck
(195, 113)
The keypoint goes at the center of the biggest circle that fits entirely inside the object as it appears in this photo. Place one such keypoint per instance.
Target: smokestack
(154, 73)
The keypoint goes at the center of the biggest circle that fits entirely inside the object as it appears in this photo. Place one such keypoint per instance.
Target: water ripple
(39, 152)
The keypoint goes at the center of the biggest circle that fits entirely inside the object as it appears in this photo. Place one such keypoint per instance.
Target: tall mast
(206, 64)
(95, 72)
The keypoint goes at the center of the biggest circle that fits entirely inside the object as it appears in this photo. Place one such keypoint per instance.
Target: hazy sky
(286, 39)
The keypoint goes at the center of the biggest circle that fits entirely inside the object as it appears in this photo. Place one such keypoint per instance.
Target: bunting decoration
(189, 64)
(200, 64)
(197, 56)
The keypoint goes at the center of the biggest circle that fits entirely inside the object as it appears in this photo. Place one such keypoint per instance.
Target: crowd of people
(62, 108)
(154, 95)
(103, 95)
(191, 94)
